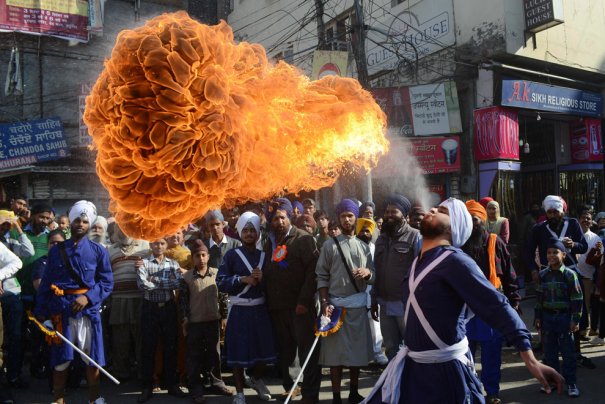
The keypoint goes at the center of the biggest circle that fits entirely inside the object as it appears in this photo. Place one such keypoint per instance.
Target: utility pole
(321, 27)
(358, 43)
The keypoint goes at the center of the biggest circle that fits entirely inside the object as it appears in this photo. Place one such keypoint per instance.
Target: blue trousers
(12, 313)
(491, 360)
(557, 338)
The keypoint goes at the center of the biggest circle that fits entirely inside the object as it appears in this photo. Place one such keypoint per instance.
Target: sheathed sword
(51, 332)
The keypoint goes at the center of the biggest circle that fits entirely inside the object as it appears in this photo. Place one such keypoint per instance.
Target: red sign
(586, 141)
(62, 19)
(437, 154)
(395, 102)
(496, 134)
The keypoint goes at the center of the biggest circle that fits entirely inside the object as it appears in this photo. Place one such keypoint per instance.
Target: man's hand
(79, 304)
(374, 312)
(17, 227)
(573, 327)
(301, 309)
(139, 264)
(248, 280)
(223, 324)
(327, 309)
(257, 274)
(567, 242)
(546, 375)
(361, 273)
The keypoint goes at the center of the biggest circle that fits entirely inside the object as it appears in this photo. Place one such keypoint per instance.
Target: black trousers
(296, 332)
(203, 353)
(158, 320)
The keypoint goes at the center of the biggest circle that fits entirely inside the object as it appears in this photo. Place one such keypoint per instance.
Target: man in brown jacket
(290, 285)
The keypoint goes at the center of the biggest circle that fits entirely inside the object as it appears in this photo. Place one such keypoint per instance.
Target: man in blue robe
(435, 365)
(77, 281)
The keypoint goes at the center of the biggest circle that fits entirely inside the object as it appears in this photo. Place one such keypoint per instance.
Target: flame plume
(184, 120)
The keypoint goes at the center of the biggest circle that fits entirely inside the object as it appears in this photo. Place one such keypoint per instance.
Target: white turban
(83, 209)
(244, 219)
(461, 221)
(102, 221)
(553, 202)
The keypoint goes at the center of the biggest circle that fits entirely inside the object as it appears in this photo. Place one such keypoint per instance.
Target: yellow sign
(329, 63)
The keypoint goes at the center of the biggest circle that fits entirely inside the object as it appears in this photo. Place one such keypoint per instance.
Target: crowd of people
(243, 287)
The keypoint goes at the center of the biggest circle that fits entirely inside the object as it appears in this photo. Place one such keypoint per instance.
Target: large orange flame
(184, 120)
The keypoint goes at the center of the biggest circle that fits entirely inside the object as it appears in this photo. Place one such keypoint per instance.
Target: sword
(52, 333)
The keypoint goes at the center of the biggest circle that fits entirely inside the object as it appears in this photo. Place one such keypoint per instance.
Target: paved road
(517, 385)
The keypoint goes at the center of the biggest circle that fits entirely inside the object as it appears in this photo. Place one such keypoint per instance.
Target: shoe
(381, 359)
(597, 341)
(220, 389)
(177, 392)
(584, 338)
(493, 400)
(99, 400)
(355, 398)
(145, 396)
(259, 386)
(156, 389)
(585, 362)
(17, 383)
(592, 332)
(239, 398)
(295, 393)
(573, 391)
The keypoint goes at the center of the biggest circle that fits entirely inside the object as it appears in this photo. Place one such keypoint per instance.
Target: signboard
(542, 14)
(417, 31)
(437, 155)
(430, 109)
(329, 63)
(496, 134)
(31, 142)
(83, 138)
(586, 141)
(67, 19)
(544, 97)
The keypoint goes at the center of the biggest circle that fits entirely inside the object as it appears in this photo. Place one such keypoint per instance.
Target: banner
(496, 134)
(586, 141)
(544, 97)
(437, 155)
(31, 142)
(430, 109)
(67, 19)
(329, 63)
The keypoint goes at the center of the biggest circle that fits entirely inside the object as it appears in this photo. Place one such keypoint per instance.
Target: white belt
(240, 301)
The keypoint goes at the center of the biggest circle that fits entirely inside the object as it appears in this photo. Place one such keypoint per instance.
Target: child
(558, 313)
(248, 338)
(158, 277)
(203, 314)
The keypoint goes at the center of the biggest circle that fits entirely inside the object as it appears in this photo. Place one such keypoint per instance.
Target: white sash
(249, 267)
(562, 236)
(390, 380)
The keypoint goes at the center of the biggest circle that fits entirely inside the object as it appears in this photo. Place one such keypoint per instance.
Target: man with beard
(344, 270)
(290, 286)
(98, 231)
(492, 257)
(569, 232)
(438, 365)
(77, 281)
(125, 303)
(396, 249)
(416, 215)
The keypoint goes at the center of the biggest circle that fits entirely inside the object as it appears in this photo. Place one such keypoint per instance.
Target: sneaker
(381, 359)
(585, 362)
(239, 398)
(259, 386)
(597, 341)
(99, 400)
(493, 400)
(573, 391)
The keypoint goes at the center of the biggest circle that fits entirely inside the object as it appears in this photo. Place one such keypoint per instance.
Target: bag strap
(72, 273)
(344, 261)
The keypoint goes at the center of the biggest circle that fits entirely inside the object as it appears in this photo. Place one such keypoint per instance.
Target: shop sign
(329, 63)
(61, 19)
(496, 134)
(421, 110)
(542, 14)
(436, 155)
(31, 142)
(586, 141)
(544, 97)
(419, 30)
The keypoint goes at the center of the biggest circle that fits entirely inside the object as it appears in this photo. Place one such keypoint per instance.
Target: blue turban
(299, 206)
(347, 205)
(556, 243)
(401, 202)
(214, 215)
(278, 204)
(365, 205)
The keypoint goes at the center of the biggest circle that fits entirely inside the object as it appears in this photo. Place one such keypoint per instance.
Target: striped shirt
(158, 279)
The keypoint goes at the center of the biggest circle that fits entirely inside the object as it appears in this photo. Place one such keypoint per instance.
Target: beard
(99, 238)
(474, 245)
(430, 230)
(554, 222)
(390, 226)
(364, 238)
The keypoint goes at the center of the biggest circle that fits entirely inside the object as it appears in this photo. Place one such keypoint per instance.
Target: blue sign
(31, 142)
(544, 97)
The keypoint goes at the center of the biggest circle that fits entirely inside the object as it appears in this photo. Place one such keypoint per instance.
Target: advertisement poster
(66, 19)
(31, 142)
(496, 134)
(437, 155)
(586, 141)
(329, 63)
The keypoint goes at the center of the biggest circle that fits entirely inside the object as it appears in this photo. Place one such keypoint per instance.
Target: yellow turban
(6, 216)
(363, 222)
(476, 209)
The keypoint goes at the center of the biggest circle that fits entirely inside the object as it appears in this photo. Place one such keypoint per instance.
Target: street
(517, 385)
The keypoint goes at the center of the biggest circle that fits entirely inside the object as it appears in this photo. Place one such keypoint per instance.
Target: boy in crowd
(558, 312)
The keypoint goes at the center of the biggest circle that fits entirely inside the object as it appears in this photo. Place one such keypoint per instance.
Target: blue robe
(441, 295)
(91, 261)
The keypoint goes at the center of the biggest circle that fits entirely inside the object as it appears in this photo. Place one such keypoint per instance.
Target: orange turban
(476, 209)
